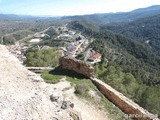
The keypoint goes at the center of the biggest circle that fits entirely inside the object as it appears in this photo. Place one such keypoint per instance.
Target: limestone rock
(34, 77)
(75, 115)
(21, 98)
(67, 104)
(54, 98)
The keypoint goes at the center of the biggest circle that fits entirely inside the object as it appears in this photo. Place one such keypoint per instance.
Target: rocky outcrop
(75, 115)
(25, 96)
(77, 66)
(64, 104)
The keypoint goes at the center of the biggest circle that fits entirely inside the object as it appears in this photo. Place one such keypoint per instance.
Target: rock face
(24, 95)
(64, 104)
(77, 66)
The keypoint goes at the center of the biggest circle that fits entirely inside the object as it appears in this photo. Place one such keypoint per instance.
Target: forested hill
(132, 68)
(145, 30)
(15, 27)
(130, 46)
(118, 17)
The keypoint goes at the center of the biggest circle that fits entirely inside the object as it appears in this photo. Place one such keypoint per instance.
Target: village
(76, 45)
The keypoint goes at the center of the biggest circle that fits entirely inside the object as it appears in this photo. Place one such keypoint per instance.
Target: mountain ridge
(119, 16)
(100, 17)
(142, 30)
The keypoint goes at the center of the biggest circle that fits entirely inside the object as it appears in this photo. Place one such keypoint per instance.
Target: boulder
(75, 115)
(67, 104)
(54, 98)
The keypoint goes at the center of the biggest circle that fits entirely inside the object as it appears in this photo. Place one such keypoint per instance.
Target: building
(96, 57)
(71, 32)
(64, 35)
(35, 40)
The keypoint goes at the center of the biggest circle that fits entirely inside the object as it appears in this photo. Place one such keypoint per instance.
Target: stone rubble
(24, 95)
(34, 77)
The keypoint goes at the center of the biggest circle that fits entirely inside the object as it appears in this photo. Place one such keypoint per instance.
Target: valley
(122, 48)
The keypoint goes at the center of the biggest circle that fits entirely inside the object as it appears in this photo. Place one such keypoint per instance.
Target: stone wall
(129, 107)
(77, 66)
(125, 104)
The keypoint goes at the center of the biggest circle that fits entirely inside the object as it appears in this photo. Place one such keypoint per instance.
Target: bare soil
(24, 95)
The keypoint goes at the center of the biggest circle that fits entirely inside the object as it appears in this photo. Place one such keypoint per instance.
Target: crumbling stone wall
(77, 66)
(129, 107)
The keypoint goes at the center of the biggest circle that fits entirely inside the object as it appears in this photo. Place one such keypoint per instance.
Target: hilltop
(123, 49)
(24, 95)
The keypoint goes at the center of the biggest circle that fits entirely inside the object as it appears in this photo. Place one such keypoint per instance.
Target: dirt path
(87, 111)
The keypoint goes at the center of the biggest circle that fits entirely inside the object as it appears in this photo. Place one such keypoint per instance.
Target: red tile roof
(96, 55)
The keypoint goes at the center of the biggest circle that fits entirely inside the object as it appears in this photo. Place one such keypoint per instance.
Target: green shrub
(81, 88)
(42, 58)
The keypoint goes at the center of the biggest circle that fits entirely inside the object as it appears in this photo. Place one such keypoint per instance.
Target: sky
(71, 7)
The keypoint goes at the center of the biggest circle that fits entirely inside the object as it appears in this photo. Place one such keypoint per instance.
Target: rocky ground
(24, 96)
